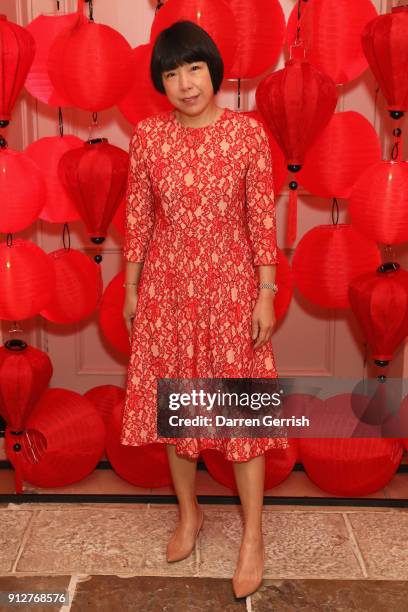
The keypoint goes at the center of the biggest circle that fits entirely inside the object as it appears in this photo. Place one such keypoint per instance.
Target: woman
(200, 273)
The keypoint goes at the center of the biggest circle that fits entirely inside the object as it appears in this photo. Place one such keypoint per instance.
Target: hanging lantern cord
(239, 92)
(60, 121)
(66, 236)
(58, 5)
(90, 2)
(95, 118)
(9, 240)
(335, 211)
(299, 13)
(395, 149)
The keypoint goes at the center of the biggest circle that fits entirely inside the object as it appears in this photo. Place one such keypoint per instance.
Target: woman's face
(189, 87)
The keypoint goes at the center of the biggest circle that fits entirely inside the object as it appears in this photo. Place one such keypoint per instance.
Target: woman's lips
(190, 100)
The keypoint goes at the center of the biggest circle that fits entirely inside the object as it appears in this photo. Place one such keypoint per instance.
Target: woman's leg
(183, 471)
(250, 477)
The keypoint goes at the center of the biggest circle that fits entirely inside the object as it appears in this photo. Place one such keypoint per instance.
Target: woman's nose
(184, 80)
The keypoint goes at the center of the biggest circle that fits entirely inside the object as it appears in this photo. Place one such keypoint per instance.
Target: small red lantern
(296, 103)
(45, 29)
(58, 206)
(214, 16)
(89, 65)
(78, 287)
(379, 202)
(385, 44)
(62, 443)
(105, 398)
(27, 280)
(111, 319)
(95, 176)
(144, 466)
(260, 31)
(22, 191)
(379, 301)
(343, 151)
(17, 49)
(119, 218)
(142, 100)
(327, 259)
(332, 31)
(25, 372)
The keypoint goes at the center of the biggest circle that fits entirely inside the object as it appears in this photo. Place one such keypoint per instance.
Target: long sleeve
(260, 202)
(139, 204)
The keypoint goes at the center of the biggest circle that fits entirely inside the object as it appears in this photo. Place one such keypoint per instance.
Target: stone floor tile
(88, 540)
(155, 594)
(33, 584)
(13, 525)
(383, 541)
(331, 596)
(220, 541)
(309, 545)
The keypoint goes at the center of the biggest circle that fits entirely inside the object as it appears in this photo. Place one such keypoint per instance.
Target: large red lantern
(144, 466)
(279, 168)
(296, 103)
(58, 206)
(90, 65)
(260, 29)
(95, 176)
(379, 301)
(327, 259)
(344, 150)
(78, 287)
(379, 202)
(332, 31)
(385, 44)
(25, 372)
(142, 100)
(111, 319)
(62, 442)
(105, 398)
(214, 16)
(45, 29)
(27, 280)
(22, 191)
(17, 50)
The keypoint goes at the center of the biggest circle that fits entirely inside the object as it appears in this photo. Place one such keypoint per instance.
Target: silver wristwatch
(272, 286)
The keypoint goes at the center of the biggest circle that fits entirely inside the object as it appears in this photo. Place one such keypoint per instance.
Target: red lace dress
(200, 214)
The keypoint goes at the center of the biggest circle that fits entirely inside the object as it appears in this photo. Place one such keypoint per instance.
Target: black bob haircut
(185, 42)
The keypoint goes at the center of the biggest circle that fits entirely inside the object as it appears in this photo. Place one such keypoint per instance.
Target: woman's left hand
(263, 319)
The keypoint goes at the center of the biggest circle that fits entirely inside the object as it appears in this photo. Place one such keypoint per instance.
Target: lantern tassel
(291, 227)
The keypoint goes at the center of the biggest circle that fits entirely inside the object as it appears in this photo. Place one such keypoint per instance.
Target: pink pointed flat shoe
(247, 586)
(178, 554)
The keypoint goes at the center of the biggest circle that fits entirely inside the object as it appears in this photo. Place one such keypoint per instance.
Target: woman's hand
(129, 309)
(263, 319)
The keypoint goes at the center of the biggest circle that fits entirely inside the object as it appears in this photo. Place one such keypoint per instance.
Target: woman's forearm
(267, 274)
(133, 270)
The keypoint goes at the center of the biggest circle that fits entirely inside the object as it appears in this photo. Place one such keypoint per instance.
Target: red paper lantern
(62, 443)
(379, 202)
(332, 31)
(58, 206)
(379, 301)
(384, 42)
(144, 466)
(25, 372)
(296, 103)
(214, 16)
(111, 319)
(95, 176)
(27, 280)
(90, 64)
(44, 30)
(327, 259)
(279, 463)
(345, 149)
(279, 169)
(142, 100)
(17, 50)
(260, 29)
(78, 287)
(105, 398)
(22, 191)
(119, 218)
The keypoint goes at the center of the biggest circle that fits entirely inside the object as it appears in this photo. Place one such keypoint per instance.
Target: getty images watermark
(303, 407)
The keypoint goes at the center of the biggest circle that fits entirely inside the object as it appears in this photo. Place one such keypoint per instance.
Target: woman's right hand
(129, 310)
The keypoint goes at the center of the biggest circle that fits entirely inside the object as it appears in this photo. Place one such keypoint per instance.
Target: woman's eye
(169, 74)
(196, 67)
